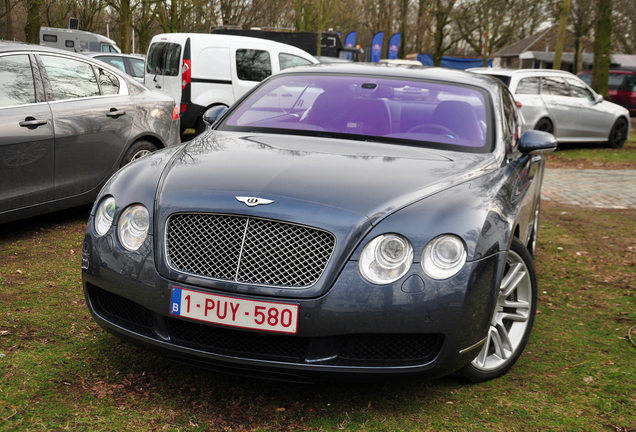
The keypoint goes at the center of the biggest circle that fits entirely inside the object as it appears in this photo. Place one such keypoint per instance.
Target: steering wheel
(434, 129)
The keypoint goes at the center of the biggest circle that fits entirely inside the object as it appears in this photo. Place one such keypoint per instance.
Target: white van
(76, 40)
(204, 70)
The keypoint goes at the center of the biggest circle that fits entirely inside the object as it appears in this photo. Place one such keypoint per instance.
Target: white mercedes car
(561, 103)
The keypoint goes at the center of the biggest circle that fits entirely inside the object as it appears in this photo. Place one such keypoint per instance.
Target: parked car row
(69, 123)
(562, 104)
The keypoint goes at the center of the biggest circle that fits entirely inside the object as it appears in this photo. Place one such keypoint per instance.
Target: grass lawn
(60, 371)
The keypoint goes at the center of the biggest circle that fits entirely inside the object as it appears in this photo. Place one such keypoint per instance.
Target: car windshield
(368, 108)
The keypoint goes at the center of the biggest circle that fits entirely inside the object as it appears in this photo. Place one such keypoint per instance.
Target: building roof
(543, 41)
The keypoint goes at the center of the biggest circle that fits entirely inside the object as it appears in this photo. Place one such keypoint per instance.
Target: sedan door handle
(114, 112)
(31, 122)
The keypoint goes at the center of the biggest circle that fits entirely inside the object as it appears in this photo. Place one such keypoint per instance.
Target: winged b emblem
(253, 201)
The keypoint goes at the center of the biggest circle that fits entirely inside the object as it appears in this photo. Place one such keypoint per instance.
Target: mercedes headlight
(385, 259)
(133, 227)
(104, 216)
(443, 256)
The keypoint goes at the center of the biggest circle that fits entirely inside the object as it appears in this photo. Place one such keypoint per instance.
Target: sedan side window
(528, 86)
(253, 65)
(554, 86)
(578, 89)
(117, 62)
(16, 77)
(69, 78)
(108, 82)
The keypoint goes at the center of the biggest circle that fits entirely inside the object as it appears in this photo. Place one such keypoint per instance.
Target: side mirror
(211, 115)
(598, 99)
(534, 142)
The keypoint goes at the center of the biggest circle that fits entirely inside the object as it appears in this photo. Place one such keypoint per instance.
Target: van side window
(289, 60)
(17, 80)
(163, 59)
(253, 65)
(49, 38)
(70, 78)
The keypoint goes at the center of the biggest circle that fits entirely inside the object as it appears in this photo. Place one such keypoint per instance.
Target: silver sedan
(561, 103)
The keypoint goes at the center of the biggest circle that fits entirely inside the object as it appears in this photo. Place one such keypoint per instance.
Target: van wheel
(138, 150)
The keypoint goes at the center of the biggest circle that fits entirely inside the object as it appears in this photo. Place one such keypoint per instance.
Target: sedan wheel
(512, 320)
(544, 125)
(618, 135)
(138, 150)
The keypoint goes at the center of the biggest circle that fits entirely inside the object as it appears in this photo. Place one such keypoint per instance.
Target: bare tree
(443, 17)
(624, 33)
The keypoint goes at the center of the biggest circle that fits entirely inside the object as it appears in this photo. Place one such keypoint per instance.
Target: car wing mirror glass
(535, 142)
(211, 115)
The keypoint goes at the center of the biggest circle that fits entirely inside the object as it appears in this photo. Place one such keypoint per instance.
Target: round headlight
(443, 256)
(133, 227)
(104, 216)
(385, 259)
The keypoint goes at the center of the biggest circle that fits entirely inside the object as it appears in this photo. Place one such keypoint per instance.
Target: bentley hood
(366, 178)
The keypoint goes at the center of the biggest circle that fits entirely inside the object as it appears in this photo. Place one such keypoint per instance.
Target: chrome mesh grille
(249, 250)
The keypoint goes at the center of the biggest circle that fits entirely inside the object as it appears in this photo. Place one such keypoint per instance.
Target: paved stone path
(591, 187)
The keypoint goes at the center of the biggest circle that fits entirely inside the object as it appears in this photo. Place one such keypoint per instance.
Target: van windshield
(163, 59)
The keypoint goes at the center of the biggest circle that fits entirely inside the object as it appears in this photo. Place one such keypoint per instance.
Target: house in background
(537, 51)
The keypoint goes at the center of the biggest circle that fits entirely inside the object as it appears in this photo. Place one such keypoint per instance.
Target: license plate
(234, 312)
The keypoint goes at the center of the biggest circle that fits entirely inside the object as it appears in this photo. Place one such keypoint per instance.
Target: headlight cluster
(132, 227)
(388, 257)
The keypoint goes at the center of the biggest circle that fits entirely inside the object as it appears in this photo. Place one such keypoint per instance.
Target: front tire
(618, 135)
(137, 150)
(512, 320)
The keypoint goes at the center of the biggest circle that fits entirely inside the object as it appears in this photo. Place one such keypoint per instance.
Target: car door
(592, 120)
(26, 135)
(250, 65)
(556, 96)
(93, 116)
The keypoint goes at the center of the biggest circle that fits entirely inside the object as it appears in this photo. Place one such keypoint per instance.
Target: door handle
(114, 112)
(157, 86)
(31, 122)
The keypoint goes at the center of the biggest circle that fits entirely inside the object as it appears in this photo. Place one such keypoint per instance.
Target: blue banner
(453, 62)
(350, 40)
(376, 47)
(394, 46)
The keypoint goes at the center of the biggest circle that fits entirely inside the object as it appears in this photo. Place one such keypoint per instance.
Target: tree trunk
(560, 42)
(9, 20)
(602, 47)
(33, 23)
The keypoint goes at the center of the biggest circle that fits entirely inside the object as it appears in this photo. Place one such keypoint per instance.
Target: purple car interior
(419, 111)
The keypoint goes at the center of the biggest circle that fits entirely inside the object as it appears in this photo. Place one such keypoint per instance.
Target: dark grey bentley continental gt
(338, 222)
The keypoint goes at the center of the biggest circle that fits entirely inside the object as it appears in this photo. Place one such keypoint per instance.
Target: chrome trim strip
(477, 345)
